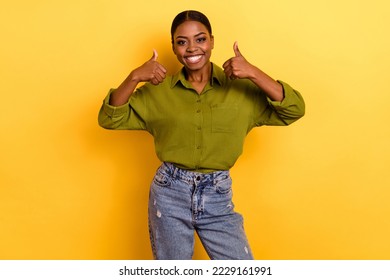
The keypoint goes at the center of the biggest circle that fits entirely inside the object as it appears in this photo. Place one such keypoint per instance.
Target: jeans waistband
(190, 176)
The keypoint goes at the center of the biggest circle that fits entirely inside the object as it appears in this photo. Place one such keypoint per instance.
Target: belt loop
(174, 171)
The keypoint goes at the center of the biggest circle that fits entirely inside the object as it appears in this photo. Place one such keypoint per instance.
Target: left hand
(238, 67)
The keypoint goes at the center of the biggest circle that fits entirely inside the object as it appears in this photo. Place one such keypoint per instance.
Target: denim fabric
(182, 202)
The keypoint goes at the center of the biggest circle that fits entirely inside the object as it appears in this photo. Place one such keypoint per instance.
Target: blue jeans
(182, 202)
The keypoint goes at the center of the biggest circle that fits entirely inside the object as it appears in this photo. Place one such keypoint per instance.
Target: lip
(193, 59)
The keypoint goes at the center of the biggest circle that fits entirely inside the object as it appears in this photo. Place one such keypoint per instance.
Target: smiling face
(192, 44)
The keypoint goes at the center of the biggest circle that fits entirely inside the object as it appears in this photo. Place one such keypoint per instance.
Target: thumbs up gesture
(236, 50)
(237, 67)
(150, 71)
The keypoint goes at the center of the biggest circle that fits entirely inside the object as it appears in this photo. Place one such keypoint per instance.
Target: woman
(199, 119)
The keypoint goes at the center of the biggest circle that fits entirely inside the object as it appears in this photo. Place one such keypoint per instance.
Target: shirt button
(198, 111)
(198, 147)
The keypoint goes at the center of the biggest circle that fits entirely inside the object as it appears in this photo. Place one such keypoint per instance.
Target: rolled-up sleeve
(127, 116)
(284, 112)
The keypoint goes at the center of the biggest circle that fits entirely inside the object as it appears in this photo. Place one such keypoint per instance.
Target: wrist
(132, 78)
(255, 74)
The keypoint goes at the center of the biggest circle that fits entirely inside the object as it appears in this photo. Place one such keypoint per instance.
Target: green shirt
(201, 132)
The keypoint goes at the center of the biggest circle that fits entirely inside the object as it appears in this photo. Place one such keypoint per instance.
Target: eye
(181, 42)
(201, 40)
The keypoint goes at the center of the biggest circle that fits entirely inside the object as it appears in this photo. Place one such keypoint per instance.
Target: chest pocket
(223, 117)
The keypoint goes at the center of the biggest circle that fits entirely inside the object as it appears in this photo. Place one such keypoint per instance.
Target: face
(192, 45)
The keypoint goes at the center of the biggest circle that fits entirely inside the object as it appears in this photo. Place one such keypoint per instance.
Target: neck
(201, 75)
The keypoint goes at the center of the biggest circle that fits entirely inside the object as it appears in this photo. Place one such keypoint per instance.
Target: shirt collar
(217, 75)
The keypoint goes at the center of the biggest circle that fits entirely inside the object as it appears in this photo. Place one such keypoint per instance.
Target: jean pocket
(162, 180)
(223, 185)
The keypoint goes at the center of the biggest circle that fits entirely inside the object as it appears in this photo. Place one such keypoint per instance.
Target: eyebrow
(184, 37)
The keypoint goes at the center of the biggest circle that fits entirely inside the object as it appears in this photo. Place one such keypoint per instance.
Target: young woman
(199, 119)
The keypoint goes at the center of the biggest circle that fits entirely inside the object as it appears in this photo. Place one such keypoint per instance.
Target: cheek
(208, 50)
(177, 51)
(178, 55)
(209, 47)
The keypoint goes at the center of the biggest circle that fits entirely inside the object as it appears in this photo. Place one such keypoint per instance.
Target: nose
(191, 47)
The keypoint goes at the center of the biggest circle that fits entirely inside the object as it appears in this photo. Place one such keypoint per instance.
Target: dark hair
(187, 16)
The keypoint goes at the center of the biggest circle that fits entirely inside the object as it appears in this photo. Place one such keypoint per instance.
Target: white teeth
(194, 59)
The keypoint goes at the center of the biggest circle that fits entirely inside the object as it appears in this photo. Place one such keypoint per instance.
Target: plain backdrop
(318, 189)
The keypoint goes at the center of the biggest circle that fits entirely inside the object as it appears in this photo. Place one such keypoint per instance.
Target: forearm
(122, 94)
(269, 86)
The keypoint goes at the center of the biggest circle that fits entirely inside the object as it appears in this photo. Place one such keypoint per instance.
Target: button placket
(198, 130)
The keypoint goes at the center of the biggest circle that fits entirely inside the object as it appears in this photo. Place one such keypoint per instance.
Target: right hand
(151, 71)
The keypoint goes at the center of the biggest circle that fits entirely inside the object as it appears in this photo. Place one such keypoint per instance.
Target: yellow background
(318, 189)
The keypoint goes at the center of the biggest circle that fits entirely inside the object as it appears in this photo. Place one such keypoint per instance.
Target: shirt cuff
(114, 111)
(288, 93)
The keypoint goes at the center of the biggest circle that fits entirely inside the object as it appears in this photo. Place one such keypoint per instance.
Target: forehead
(190, 28)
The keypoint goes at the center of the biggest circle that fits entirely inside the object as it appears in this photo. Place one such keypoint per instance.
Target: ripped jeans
(182, 202)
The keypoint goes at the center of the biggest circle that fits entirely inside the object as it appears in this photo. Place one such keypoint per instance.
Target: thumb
(155, 55)
(236, 50)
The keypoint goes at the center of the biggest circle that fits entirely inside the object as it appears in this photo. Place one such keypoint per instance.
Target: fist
(237, 67)
(151, 71)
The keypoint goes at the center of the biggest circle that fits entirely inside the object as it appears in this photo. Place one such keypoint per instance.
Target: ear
(212, 41)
